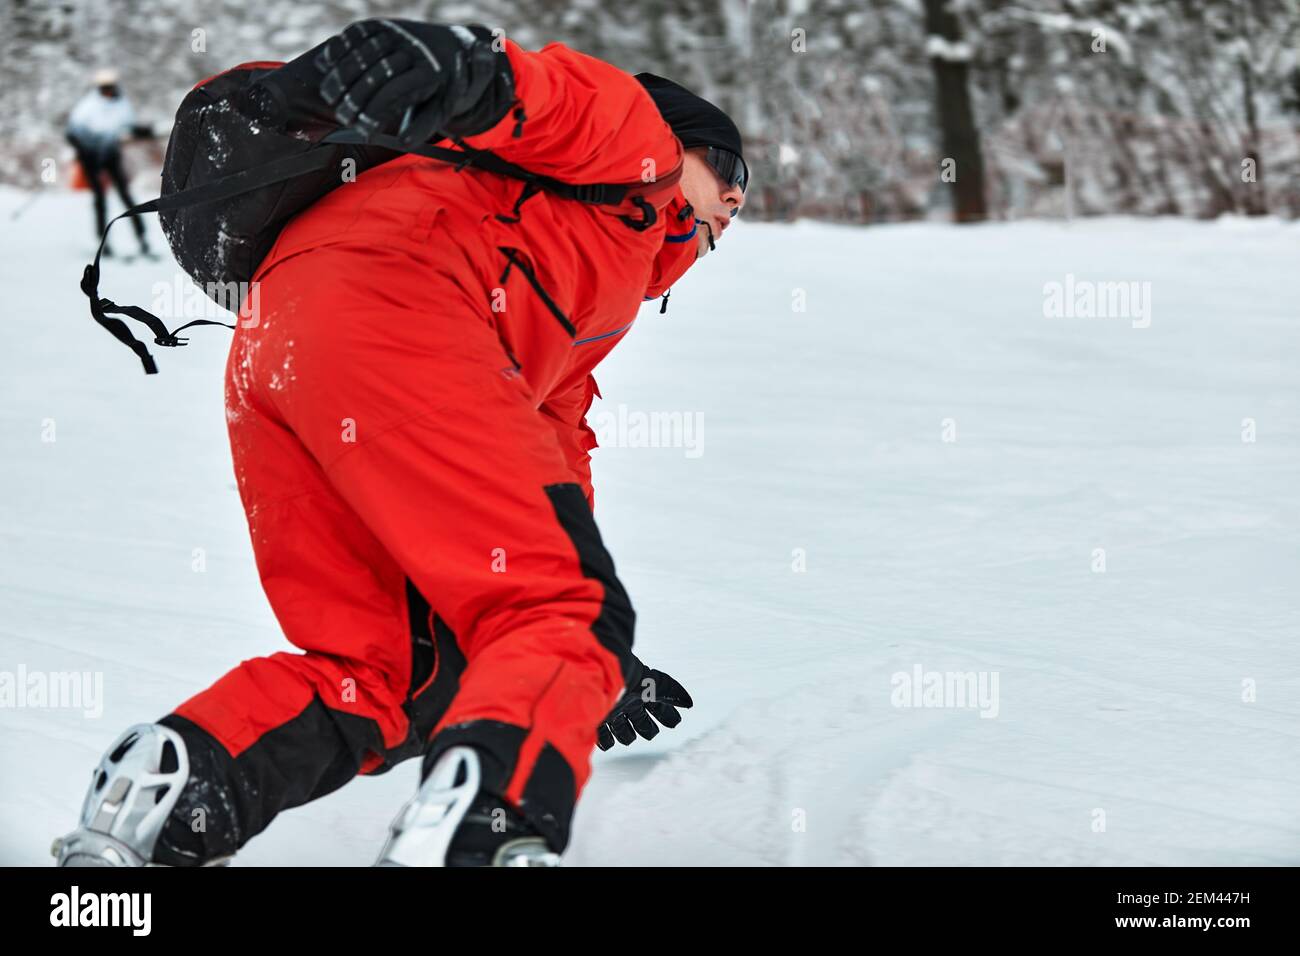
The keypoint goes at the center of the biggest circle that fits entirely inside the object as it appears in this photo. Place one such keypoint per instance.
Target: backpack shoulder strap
(598, 194)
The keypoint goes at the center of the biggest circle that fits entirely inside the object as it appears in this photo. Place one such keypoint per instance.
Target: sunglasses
(730, 167)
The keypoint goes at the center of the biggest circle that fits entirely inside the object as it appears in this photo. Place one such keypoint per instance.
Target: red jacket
(574, 274)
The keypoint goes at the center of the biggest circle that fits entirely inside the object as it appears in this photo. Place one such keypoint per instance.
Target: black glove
(415, 79)
(651, 695)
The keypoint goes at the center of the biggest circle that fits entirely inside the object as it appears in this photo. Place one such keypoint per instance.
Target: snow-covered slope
(943, 462)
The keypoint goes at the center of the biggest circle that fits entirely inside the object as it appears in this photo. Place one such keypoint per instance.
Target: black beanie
(695, 120)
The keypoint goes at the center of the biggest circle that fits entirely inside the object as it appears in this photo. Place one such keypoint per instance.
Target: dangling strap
(102, 310)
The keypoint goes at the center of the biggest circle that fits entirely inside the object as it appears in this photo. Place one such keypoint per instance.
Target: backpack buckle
(648, 215)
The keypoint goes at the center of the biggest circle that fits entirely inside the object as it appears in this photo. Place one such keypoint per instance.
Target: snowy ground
(1147, 714)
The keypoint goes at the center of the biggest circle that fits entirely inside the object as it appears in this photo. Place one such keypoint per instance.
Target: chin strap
(709, 230)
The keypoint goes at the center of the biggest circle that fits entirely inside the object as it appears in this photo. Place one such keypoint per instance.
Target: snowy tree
(849, 107)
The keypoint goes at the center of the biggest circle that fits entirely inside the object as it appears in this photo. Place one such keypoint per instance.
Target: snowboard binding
(451, 821)
(132, 791)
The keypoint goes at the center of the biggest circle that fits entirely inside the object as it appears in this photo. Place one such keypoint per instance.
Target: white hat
(105, 77)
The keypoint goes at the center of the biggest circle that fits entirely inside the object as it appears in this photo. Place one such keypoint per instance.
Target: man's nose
(734, 198)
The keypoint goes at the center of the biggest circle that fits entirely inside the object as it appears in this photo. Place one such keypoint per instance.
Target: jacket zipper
(512, 255)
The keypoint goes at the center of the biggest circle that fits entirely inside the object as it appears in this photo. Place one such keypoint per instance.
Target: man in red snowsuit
(407, 420)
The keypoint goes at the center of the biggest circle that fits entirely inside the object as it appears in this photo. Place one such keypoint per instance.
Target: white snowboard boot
(132, 792)
(450, 822)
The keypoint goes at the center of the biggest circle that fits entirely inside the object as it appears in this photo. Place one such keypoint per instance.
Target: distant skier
(407, 420)
(97, 126)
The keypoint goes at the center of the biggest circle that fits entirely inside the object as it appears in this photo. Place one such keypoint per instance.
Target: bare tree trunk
(961, 141)
(1255, 204)
(1164, 173)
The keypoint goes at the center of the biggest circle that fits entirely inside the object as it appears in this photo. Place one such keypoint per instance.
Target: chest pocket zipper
(515, 260)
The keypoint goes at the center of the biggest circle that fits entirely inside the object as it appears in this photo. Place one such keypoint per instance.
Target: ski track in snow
(1119, 693)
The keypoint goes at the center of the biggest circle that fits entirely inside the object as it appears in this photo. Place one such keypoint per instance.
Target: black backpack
(250, 149)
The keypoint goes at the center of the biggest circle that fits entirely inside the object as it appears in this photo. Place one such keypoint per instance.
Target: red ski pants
(421, 541)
